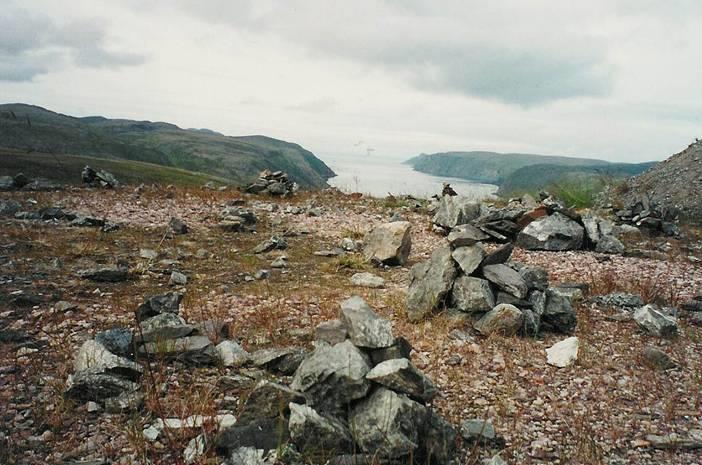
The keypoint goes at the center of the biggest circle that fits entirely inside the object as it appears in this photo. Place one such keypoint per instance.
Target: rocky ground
(602, 409)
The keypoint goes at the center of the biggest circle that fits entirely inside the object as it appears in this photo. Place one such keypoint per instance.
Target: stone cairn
(274, 183)
(648, 215)
(99, 178)
(545, 225)
(354, 399)
(503, 296)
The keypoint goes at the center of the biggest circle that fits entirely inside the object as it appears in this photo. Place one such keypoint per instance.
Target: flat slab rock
(367, 280)
(506, 279)
(403, 377)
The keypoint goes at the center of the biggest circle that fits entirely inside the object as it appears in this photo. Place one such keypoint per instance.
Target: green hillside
(66, 169)
(237, 160)
(533, 177)
(487, 167)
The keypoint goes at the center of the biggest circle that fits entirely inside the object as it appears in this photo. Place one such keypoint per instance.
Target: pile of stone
(163, 332)
(502, 296)
(275, 183)
(56, 214)
(104, 374)
(22, 182)
(235, 218)
(354, 398)
(99, 178)
(650, 216)
(547, 225)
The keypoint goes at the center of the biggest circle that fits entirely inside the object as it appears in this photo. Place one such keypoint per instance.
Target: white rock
(563, 353)
(232, 354)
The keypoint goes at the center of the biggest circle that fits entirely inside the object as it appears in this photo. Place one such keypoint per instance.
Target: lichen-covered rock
(162, 327)
(367, 280)
(456, 210)
(365, 328)
(655, 322)
(93, 357)
(333, 376)
(387, 424)
(313, 433)
(430, 283)
(504, 319)
(401, 376)
(231, 354)
(332, 332)
(469, 257)
(554, 232)
(389, 243)
(471, 295)
(197, 350)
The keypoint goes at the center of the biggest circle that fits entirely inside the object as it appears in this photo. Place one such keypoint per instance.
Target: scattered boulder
(389, 243)
(268, 245)
(178, 226)
(657, 359)
(367, 280)
(655, 322)
(477, 430)
(9, 207)
(563, 353)
(177, 279)
(105, 273)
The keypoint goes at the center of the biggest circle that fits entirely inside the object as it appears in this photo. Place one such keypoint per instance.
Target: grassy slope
(238, 159)
(533, 177)
(66, 169)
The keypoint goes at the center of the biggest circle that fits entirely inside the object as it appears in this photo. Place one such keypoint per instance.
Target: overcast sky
(613, 79)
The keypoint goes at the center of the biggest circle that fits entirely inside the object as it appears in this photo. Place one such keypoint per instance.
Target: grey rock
(556, 312)
(246, 456)
(504, 298)
(119, 341)
(178, 226)
(401, 376)
(504, 319)
(269, 400)
(655, 322)
(619, 299)
(506, 279)
(9, 207)
(268, 245)
(280, 262)
(332, 332)
(367, 280)
(554, 232)
(610, 245)
(157, 304)
(387, 424)
(430, 283)
(127, 401)
(465, 235)
(231, 354)
(389, 243)
(148, 254)
(163, 327)
(456, 210)
(93, 357)
(196, 350)
(478, 430)
(284, 360)
(86, 385)
(658, 359)
(438, 440)
(333, 376)
(499, 255)
(469, 257)
(400, 349)
(313, 433)
(535, 277)
(472, 295)
(178, 279)
(366, 329)
(7, 183)
(347, 244)
(105, 273)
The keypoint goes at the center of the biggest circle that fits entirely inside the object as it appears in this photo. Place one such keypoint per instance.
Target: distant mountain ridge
(238, 160)
(519, 172)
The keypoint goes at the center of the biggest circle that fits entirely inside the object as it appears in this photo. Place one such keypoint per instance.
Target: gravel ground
(596, 411)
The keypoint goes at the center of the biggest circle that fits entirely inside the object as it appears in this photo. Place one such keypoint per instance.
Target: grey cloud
(31, 45)
(321, 104)
(465, 47)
